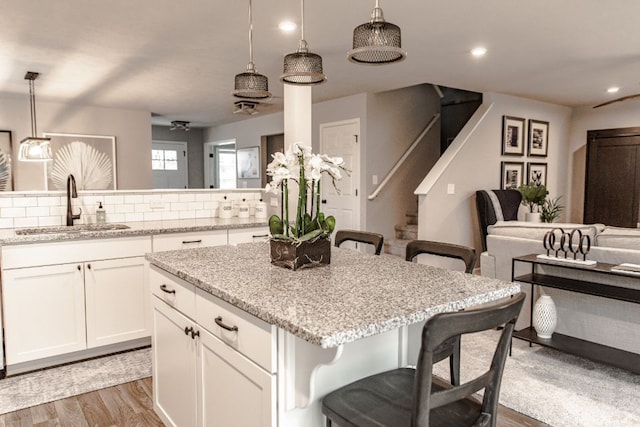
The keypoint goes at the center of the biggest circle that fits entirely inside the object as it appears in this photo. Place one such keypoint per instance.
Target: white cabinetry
(44, 311)
(215, 371)
(196, 239)
(248, 235)
(63, 297)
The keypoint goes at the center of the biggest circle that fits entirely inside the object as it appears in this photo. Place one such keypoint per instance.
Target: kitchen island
(307, 332)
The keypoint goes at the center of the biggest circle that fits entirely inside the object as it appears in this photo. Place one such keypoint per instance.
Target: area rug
(554, 387)
(26, 390)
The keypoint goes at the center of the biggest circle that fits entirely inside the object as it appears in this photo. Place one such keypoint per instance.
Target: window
(164, 160)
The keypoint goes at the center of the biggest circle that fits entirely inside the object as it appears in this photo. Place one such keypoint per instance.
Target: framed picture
(537, 174)
(511, 175)
(512, 136)
(248, 162)
(538, 138)
(91, 159)
(6, 174)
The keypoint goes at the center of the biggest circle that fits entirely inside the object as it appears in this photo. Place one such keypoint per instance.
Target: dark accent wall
(457, 107)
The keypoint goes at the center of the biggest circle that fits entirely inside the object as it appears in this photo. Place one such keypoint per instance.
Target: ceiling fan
(624, 98)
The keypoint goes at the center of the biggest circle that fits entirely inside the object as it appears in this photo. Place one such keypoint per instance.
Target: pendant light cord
(302, 20)
(250, 35)
(34, 130)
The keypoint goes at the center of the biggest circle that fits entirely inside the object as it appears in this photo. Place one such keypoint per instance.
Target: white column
(297, 115)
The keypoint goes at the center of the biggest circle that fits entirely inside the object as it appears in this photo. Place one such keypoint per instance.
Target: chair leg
(454, 364)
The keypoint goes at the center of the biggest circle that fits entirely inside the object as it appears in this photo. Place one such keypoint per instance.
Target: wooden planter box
(306, 254)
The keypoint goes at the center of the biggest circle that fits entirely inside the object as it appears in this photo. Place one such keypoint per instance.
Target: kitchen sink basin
(70, 229)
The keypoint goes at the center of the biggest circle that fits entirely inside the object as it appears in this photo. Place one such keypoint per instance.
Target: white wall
(132, 130)
(618, 115)
(453, 218)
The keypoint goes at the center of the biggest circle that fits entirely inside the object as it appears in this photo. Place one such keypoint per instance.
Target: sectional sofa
(606, 321)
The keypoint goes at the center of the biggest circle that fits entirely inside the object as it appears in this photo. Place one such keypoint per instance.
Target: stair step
(412, 218)
(396, 247)
(406, 231)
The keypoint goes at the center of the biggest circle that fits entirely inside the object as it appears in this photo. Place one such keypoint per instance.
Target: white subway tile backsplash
(21, 202)
(13, 212)
(25, 222)
(25, 210)
(37, 211)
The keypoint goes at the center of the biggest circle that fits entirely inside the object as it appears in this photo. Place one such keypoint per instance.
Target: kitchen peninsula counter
(356, 296)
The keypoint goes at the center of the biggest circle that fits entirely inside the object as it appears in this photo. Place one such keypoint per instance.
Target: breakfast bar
(274, 341)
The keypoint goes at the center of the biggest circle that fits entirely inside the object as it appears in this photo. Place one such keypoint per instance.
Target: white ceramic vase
(545, 317)
(532, 217)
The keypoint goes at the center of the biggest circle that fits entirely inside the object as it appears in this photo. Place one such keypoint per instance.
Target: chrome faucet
(71, 193)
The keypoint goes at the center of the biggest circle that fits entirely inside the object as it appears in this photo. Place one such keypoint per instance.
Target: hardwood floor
(128, 404)
(131, 405)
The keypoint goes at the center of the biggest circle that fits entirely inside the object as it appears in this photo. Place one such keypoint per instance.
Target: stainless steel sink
(70, 229)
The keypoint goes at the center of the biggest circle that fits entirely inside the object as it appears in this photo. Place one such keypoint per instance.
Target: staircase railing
(404, 157)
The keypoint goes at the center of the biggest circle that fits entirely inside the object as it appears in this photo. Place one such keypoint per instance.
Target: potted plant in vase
(305, 242)
(550, 209)
(533, 197)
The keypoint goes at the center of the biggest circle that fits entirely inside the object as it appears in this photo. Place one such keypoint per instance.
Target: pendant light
(377, 42)
(303, 68)
(34, 149)
(250, 84)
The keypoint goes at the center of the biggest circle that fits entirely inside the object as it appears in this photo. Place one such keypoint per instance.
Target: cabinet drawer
(253, 337)
(248, 235)
(170, 242)
(173, 290)
(51, 253)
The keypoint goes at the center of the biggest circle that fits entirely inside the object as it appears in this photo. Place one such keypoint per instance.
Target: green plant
(533, 196)
(299, 165)
(551, 209)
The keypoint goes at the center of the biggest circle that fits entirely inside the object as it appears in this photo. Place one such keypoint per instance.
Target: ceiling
(178, 59)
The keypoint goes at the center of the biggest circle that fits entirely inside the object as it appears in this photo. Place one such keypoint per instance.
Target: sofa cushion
(537, 230)
(618, 237)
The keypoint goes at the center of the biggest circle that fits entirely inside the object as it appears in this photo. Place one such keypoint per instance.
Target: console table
(579, 347)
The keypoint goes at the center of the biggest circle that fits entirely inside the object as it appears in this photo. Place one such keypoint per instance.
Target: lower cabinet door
(233, 391)
(117, 297)
(43, 311)
(174, 366)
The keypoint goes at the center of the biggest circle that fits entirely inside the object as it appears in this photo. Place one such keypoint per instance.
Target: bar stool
(374, 239)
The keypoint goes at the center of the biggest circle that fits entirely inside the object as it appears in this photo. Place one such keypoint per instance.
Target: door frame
(209, 167)
(185, 148)
(360, 214)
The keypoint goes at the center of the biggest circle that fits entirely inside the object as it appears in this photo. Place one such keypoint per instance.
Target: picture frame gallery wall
(516, 133)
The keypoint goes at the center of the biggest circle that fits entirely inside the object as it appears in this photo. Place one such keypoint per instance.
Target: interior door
(612, 183)
(169, 164)
(341, 139)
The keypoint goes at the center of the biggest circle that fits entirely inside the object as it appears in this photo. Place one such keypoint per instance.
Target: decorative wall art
(90, 158)
(248, 161)
(537, 174)
(6, 178)
(538, 138)
(511, 175)
(513, 130)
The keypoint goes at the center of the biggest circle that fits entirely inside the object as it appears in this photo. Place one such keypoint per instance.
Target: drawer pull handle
(165, 289)
(258, 236)
(223, 326)
(186, 242)
(188, 330)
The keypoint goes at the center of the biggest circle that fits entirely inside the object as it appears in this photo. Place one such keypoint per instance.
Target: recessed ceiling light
(613, 89)
(287, 26)
(478, 51)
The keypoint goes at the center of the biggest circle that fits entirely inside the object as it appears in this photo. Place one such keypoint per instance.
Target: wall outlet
(156, 204)
(451, 189)
(274, 202)
(374, 179)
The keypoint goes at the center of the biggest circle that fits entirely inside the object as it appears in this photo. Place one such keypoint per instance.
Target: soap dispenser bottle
(101, 214)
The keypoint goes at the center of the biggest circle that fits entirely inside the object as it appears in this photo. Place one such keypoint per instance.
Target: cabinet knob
(194, 334)
(89, 266)
(188, 330)
(79, 268)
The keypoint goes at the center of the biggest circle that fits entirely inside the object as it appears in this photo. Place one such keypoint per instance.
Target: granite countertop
(356, 296)
(51, 234)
